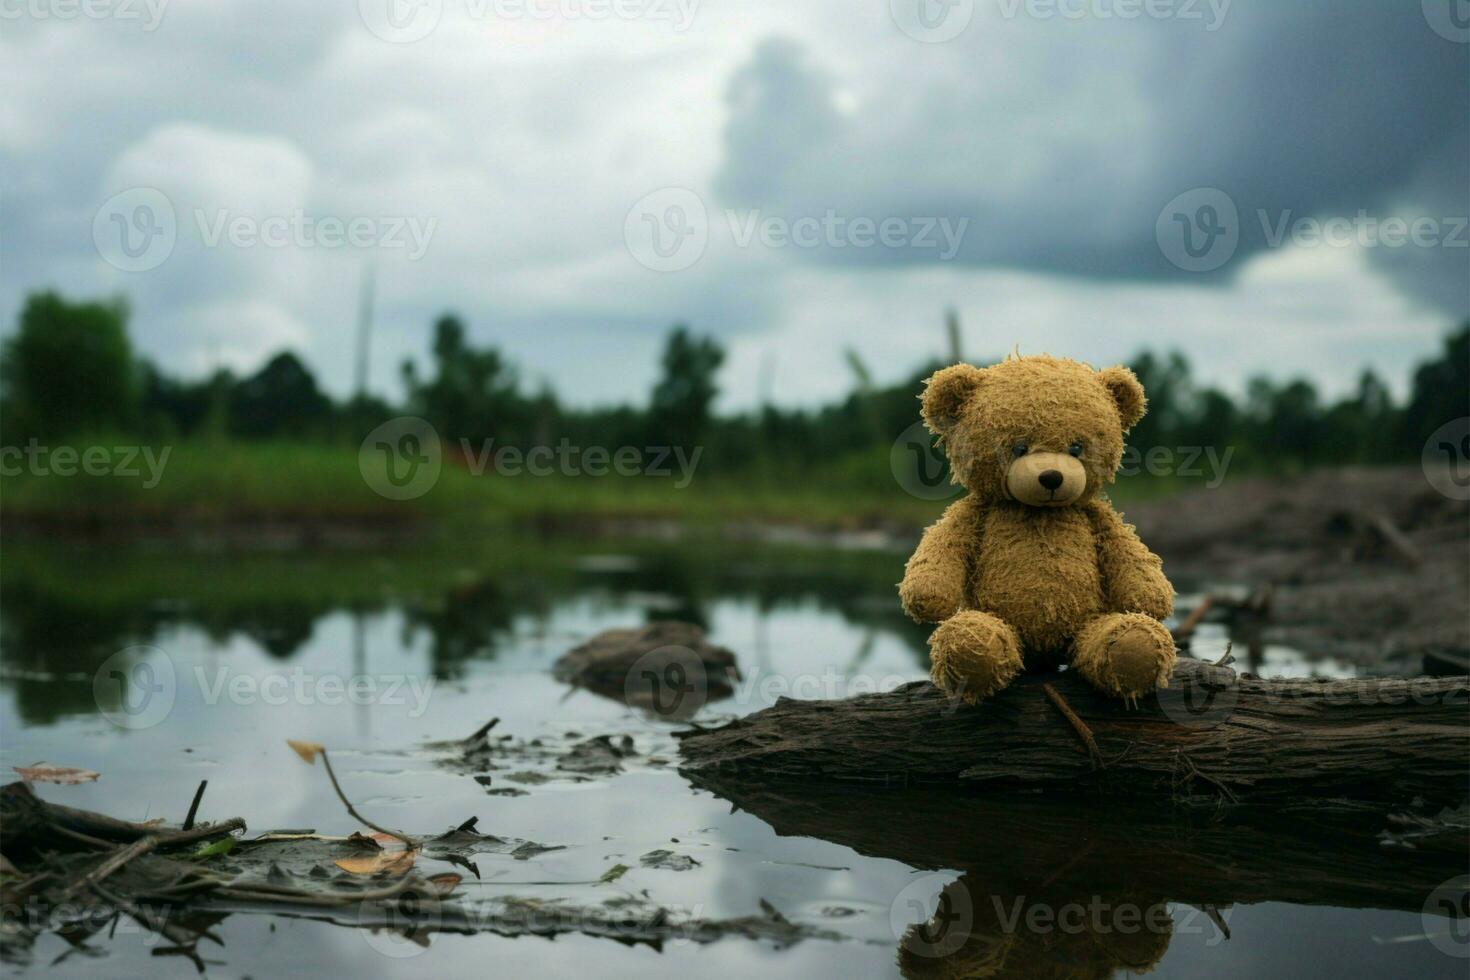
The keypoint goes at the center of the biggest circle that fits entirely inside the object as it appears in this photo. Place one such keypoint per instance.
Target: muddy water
(219, 660)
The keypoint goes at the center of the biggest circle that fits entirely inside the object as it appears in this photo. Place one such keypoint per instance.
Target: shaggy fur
(1033, 568)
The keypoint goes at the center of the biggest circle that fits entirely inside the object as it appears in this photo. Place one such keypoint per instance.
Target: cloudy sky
(1272, 187)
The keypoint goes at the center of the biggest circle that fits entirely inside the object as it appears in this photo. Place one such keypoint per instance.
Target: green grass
(210, 483)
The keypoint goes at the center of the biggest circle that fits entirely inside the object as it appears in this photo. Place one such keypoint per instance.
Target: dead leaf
(378, 861)
(389, 855)
(363, 840)
(377, 838)
(44, 772)
(307, 750)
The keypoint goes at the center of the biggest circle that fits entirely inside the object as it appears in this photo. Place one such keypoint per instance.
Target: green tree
(281, 399)
(69, 369)
(474, 392)
(1440, 393)
(679, 412)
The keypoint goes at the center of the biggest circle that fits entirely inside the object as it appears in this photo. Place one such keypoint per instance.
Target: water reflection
(1052, 888)
(973, 933)
(492, 620)
(62, 614)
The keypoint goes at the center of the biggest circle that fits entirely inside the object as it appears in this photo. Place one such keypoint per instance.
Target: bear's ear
(1126, 391)
(945, 394)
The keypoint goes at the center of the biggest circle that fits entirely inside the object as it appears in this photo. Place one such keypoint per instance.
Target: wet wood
(1211, 734)
(30, 821)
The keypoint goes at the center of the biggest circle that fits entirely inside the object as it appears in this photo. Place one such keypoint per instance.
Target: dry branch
(28, 820)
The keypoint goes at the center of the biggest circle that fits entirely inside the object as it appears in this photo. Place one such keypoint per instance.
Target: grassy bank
(202, 484)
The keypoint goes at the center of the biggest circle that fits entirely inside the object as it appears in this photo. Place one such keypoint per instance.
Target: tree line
(70, 370)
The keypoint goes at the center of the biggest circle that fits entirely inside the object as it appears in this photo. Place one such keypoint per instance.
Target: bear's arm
(935, 578)
(1132, 576)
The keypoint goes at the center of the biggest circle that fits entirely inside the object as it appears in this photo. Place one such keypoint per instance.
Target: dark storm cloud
(1064, 158)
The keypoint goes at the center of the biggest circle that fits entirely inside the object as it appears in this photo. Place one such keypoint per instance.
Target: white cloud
(527, 141)
(239, 336)
(200, 167)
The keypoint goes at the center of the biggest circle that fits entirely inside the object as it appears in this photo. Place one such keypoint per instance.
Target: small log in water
(1211, 733)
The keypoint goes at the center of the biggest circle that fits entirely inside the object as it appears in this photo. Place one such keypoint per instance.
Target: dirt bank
(1370, 566)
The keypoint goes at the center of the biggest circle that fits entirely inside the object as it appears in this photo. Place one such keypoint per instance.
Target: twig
(194, 807)
(170, 838)
(87, 839)
(1078, 725)
(111, 863)
(1226, 658)
(407, 840)
(1191, 622)
(483, 730)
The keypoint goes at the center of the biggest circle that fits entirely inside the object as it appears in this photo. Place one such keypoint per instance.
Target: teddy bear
(1033, 568)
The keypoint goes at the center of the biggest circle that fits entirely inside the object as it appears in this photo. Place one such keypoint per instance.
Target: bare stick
(170, 838)
(1191, 622)
(111, 863)
(1078, 725)
(407, 840)
(194, 807)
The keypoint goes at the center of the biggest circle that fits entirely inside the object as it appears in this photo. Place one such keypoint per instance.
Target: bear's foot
(973, 654)
(1125, 655)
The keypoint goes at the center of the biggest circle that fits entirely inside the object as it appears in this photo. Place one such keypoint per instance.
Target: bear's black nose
(1051, 479)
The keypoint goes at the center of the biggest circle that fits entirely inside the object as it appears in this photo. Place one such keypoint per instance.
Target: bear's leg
(1124, 655)
(973, 654)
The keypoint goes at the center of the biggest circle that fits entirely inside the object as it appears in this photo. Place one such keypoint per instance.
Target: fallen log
(1211, 734)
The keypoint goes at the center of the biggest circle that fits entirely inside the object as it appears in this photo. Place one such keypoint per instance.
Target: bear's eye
(1020, 449)
(1075, 449)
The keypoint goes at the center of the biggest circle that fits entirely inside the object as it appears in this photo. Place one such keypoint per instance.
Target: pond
(223, 657)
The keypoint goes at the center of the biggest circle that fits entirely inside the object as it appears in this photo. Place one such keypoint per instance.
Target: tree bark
(1210, 734)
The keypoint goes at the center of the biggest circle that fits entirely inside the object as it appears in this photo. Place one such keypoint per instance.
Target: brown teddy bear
(1033, 568)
